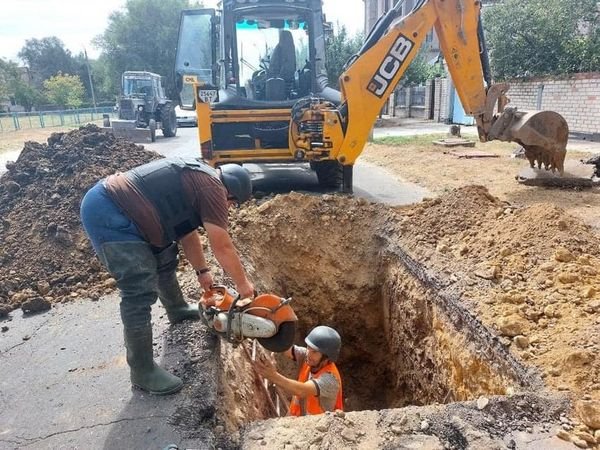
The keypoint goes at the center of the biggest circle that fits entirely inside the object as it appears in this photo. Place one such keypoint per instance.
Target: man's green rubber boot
(169, 291)
(145, 373)
(172, 299)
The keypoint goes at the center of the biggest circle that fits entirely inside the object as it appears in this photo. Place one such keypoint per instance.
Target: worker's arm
(303, 390)
(192, 247)
(226, 254)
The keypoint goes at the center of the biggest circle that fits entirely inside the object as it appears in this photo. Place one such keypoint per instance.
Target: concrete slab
(64, 383)
(454, 142)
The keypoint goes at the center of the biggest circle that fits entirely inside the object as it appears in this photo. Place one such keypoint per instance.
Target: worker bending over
(134, 221)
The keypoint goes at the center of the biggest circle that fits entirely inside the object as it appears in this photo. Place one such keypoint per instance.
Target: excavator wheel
(283, 340)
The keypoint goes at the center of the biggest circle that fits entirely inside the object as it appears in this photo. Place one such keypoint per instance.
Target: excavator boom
(372, 76)
(258, 113)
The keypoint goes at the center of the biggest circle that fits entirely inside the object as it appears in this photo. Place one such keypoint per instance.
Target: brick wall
(577, 99)
(441, 99)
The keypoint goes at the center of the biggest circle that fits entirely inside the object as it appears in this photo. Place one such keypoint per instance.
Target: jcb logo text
(390, 66)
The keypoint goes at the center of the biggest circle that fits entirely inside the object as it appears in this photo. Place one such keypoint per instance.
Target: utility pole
(87, 64)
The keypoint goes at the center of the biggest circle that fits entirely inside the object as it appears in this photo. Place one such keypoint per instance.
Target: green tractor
(142, 109)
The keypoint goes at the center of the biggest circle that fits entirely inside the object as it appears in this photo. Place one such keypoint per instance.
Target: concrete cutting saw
(267, 317)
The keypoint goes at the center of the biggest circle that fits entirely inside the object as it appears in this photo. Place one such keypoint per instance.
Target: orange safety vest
(312, 405)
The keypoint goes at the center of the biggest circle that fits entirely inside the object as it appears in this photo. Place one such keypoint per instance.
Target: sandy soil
(429, 166)
(529, 273)
(525, 262)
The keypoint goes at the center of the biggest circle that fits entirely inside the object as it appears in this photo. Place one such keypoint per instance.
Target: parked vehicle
(186, 118)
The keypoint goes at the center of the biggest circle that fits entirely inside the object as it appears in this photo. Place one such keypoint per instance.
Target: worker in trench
(319, 386)
(134, 221)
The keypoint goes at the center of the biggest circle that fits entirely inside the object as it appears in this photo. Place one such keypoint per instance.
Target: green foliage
(424, 139)
(421, 70)
(65, 90)
(543, 37)
(27, 96)
(143, 36)
(9, 72)
(46, 57)
(340, 48)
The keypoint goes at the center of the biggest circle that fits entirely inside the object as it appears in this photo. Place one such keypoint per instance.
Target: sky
(76, 23)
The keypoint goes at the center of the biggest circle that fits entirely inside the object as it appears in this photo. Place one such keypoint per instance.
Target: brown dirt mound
(529, 274)
(45, 253)
(532, 274)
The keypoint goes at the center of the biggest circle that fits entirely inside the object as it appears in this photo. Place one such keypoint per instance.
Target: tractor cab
(141, 95)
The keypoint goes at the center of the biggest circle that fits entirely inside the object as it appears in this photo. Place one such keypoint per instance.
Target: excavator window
(271, 49)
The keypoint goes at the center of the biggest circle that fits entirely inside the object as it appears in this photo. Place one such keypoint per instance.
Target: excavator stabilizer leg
(543, 135)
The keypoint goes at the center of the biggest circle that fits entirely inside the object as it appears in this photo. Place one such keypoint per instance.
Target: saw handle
(211, 297)
(227, 299)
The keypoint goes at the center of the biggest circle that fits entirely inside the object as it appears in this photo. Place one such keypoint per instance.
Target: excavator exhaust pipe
(543, 135)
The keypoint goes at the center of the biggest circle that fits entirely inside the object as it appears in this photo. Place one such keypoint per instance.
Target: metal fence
(417, 96)
(44, 119)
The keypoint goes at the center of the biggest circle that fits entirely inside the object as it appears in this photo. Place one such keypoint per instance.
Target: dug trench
(410, 336)
(462, 317)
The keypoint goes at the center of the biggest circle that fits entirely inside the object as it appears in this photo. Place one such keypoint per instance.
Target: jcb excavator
(255, 103)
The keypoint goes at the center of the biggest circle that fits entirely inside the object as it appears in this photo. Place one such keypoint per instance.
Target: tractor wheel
(152, 128)
(329, 174)
(169, 123)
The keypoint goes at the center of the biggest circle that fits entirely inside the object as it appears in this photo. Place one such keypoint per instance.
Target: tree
(14, 88)
(542, 37)
(143, 37)
(340, 48)
(46, 57)
(65, 90)
(421, 70)
(26, 95)
(8, 73)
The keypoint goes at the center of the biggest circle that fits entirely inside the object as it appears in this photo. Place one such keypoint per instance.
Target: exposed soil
(466, 291)
(45, 256)
(472, 294)
(439, 172)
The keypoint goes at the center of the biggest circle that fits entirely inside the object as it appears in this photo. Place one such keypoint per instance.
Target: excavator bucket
(543, 135)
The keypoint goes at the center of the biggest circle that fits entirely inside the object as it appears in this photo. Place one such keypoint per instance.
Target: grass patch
(422, 139)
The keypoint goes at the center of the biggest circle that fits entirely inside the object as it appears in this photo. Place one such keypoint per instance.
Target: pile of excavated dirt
(533, 274)
(530, 275)
(45, 256)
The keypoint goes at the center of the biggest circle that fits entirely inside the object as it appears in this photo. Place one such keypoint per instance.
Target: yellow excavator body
(332, 133)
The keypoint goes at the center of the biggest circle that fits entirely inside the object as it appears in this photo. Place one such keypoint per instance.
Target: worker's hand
(265, 370)
(206, 280)
(246, 290)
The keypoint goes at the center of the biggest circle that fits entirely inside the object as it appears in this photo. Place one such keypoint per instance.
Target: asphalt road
(370, 182)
